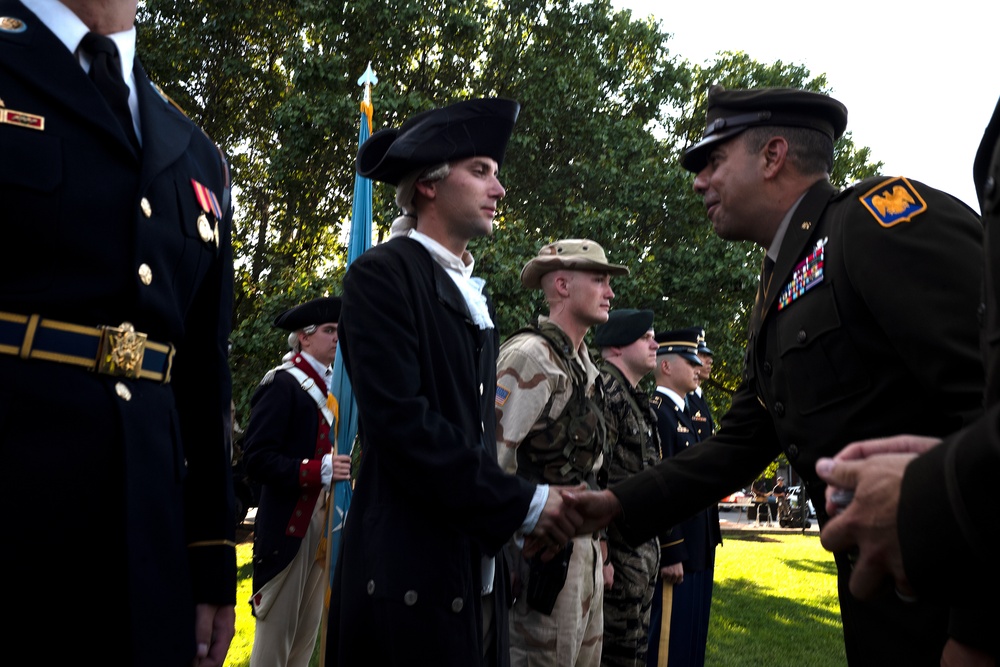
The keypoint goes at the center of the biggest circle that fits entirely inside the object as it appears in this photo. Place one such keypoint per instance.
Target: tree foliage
(606, 109)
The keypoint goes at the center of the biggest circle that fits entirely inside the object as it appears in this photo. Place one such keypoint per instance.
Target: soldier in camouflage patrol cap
(628, 349)
(550, 429)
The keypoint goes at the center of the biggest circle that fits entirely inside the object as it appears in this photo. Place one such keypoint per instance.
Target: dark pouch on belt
(546, 580)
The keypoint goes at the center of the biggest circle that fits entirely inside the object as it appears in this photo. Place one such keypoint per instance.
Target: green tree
(606, 110)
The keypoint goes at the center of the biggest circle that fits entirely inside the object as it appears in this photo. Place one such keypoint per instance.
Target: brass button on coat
(123, 391)
(410, 598)
(457, 604)
(371, 587)
(147, 209)
(145, 274)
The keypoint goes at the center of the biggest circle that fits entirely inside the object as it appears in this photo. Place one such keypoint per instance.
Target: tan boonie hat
(573, 254)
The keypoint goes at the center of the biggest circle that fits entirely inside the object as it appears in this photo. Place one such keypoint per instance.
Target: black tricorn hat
(624, 327)
(682, 341)
(733, 111)
(318, 311)
(461, 130)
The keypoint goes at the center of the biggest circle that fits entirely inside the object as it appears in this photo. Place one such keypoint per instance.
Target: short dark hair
(809, 151)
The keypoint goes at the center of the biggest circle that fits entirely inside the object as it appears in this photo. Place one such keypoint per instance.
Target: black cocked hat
(480, 127)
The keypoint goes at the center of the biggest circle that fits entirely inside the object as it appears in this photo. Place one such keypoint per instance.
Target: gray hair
(810, 151)
(293, 337)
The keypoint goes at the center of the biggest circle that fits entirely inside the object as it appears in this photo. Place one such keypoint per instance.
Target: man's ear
(775, 153)
(426, 189)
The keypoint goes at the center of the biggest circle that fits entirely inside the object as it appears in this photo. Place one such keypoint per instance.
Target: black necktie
(106, 73)
(766, 276)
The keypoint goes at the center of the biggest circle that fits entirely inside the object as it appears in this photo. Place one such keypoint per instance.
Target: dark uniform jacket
(701, 415)
(692, 541)
(131, 477)
(284, 446)
(868, 328)
(947, 536)
(430, 499)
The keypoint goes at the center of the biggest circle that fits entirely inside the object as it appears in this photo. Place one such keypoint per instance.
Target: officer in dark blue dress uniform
(115, 307)
(687, 550)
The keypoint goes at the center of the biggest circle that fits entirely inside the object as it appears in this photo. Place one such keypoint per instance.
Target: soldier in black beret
(628, 352)
(421, 577)
(885, 269)
(287, 449)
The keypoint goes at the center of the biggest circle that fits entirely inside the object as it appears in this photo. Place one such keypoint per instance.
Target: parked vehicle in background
(795, 494)
(734, 501)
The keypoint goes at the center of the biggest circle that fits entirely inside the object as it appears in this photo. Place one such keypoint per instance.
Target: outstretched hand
(597, 509)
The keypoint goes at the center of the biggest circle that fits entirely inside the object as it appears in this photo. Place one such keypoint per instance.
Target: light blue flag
(359, 240)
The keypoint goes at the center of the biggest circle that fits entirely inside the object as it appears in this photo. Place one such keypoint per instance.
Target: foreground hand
(962, 655)
(214, 628)
(868, 522)
(597, 509)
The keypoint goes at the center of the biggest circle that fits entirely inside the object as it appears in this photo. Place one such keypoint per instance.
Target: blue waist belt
(120, 351)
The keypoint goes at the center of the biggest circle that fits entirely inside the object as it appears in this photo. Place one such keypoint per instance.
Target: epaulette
(268, 377)
(222, 156)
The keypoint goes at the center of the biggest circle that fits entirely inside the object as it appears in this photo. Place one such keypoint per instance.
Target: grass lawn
(775, 603)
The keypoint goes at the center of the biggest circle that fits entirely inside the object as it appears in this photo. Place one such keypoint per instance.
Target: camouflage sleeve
(526, 379)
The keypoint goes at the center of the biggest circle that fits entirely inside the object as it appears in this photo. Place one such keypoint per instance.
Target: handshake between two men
(569, 511)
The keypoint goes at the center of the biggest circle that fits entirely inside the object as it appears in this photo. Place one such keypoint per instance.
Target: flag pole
(359, 240)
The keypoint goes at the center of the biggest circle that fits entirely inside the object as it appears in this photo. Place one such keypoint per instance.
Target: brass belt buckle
(121, 351)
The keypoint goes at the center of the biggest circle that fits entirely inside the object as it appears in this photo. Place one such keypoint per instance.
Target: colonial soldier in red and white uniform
(288, 450)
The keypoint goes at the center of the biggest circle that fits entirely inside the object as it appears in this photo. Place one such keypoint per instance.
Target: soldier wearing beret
(288, 452)
(628, 352)
(683, 598)
(115, 313)
(829, 301)
(421, 579)
(550, 429)
(897, 526)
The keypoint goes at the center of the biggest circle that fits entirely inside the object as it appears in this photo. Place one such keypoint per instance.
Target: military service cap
(461, 130)
(702, 345)
(318, 311)
(624, 327)
(573, 254)
(683, 342)
(733, 111)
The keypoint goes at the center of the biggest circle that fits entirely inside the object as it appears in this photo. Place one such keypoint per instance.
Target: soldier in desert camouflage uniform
(550, 429)
(628, 349)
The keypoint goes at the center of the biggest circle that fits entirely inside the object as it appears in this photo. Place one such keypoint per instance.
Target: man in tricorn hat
(287, 450)
(550, 429)
(628, 353)
(421, 580)
(849, 276)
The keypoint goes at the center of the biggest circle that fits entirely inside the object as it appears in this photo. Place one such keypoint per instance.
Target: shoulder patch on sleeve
(893, 201)
(502, 394)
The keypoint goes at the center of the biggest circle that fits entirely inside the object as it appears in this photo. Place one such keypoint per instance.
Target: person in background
(115, 312)
(421, 578)
(701, 411)
(288, 452)
(628, 352)
(828, 302)
(683, 598)
(936, 546)
(551, 430)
